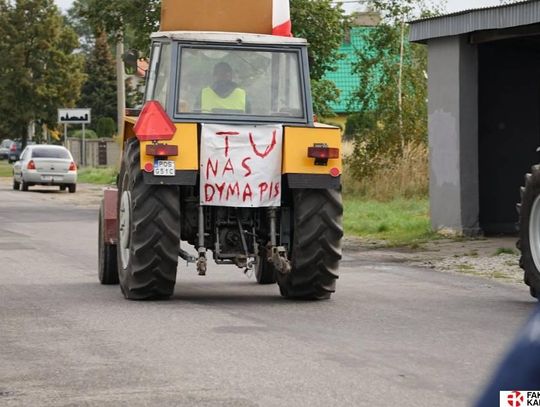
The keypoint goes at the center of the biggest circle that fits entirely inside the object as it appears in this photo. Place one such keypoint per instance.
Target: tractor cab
(205, 77)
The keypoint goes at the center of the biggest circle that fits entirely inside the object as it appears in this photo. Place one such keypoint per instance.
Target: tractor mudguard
(303, 171)
(110, 215)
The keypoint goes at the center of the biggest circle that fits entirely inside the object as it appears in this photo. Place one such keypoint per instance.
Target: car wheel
(16, 185)
(72, 188)
(24, 186)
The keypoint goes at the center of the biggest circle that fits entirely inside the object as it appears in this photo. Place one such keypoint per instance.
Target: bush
(106, 127)
(357, 123)
(404, 177)
(89, 133)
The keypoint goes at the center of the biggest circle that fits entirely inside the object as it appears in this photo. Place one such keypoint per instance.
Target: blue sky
(452, 5)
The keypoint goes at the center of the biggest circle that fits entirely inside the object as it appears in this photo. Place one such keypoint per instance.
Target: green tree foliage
(88, 134)
(40, 72)
(133, 19)
(106, 127)
(99, 90)
(323, 24)
(393, 89)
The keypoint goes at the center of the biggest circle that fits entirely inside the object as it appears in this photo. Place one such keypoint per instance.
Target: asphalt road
(392, 334)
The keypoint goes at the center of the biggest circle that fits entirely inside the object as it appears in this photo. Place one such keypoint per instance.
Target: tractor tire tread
(155, 234)
(316, 249)
(528, 194)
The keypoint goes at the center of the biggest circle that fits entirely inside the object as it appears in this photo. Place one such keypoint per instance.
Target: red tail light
(322, 153)
(161, 150)
(72, 167)
(31, 165)
(13, 148)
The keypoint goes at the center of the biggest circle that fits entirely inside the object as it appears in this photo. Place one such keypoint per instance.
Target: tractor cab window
(159, 76)
(243, 82)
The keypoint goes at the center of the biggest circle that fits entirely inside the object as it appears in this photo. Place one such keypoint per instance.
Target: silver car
(45, 165)
(4, 149)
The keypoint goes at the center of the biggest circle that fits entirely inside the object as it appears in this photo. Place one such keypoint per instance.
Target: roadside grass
(105, 176)
(398, 222)
(392, 204)
(395, 220)
(87, 175)
(5, 169)
(504, 250)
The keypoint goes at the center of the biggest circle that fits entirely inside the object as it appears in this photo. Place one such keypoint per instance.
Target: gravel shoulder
(492, 258)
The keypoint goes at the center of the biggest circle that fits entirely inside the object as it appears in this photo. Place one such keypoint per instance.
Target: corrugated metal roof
(489, 18)
(344, 77)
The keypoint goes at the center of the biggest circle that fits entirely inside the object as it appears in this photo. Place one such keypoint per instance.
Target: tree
(106, 127)
(99, 90)
(323, 24)
(133, 20)
(392, 94)
(41, 72)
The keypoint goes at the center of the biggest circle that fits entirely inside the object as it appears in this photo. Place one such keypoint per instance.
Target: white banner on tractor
(241, 165)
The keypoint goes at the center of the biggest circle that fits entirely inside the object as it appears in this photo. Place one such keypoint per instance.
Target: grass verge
(401, 221)
(5, 169)
(85, 175)
(104, 176)
(398, 222)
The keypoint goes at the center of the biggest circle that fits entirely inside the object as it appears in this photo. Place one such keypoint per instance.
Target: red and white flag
(281, 18)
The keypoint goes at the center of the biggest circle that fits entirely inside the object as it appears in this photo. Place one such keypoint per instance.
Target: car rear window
(50, 153)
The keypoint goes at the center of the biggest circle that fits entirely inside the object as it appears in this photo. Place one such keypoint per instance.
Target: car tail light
(322, 153)
(72, 167)
(161, 150)
(13, 148)
(31, 165)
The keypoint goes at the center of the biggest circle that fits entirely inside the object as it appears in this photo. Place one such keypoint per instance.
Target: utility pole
(400, 84)
(120, 82)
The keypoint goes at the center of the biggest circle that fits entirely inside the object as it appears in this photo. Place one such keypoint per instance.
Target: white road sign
(74, 116)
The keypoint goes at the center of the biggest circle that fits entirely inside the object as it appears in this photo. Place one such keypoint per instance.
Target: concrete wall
(453, 134)
(92, 157)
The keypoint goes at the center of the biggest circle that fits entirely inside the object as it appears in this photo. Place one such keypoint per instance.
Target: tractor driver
(224, 94)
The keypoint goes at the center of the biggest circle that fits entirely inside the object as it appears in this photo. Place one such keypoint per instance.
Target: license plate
(164, 168)
(46, 178)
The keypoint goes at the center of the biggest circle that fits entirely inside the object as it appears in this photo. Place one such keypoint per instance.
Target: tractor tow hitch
(279, 259)
(278, 254)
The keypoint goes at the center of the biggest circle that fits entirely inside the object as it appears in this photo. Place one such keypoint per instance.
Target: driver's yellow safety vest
(210, 100)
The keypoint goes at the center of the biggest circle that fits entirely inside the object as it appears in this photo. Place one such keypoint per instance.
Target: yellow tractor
(225, 155)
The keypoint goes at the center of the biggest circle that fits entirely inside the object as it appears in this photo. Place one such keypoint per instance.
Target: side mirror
(132, 60)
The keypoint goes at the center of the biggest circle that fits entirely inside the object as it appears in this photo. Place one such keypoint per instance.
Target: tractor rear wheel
(149, 232)
(316, 248)
(107, 265)
(529, 230)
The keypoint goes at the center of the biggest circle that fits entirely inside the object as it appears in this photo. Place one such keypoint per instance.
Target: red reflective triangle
(154, 123)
